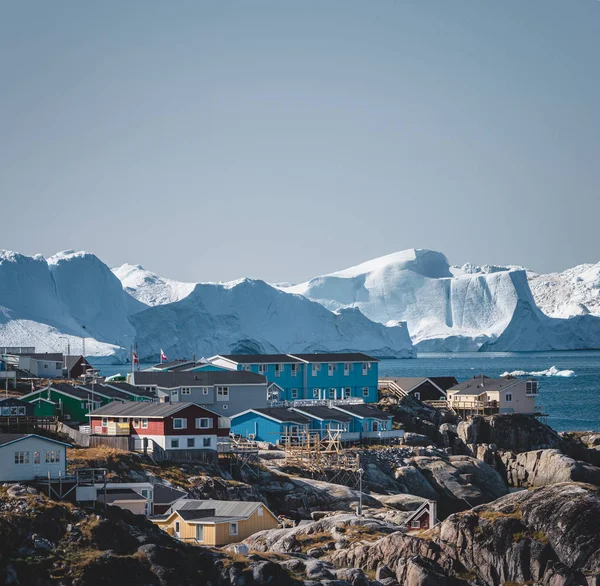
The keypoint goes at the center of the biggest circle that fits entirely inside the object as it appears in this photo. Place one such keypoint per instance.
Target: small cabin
(425, 517)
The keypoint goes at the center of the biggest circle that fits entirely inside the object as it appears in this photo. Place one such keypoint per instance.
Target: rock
(383, 572)
(413, 482)
(43, 544)
(353, 576)
(416, 439)
(544, 467)
(402, 502)
(266, 572)
(318, 570)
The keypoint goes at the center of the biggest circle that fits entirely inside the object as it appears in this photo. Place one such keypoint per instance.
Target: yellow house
(215, 523)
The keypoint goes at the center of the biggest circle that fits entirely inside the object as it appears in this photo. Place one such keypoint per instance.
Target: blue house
(370, 422)
(325, 419)
(294, 377)
(269, 424)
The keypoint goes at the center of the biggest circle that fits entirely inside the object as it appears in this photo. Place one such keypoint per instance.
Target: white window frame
(104, 422)
(330, 369)
(186, 391)
(316, 393)
(415, 524)
(144, 423)
(278, 369)
(417, 395)
(137, 423)
(205, 390)
(179, 423)
(294, 368)
(222, 393)
(261, 512)
(347, 392)
(200, 533)
(365, 368)
(52, 456)
(316, 367)
(21, 457)
(262, 368)
(508, 397)
(233, 529)
(294, 393)
(347, 369)
(331, 393)
(531, 387)
(365, 391)
(200, 420)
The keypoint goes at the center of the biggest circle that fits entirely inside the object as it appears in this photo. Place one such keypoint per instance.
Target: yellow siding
(216, 535)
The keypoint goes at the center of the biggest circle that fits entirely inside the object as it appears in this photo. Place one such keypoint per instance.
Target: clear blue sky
(281, 140)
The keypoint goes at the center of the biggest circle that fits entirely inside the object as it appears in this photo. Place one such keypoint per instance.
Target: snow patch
(552, 371)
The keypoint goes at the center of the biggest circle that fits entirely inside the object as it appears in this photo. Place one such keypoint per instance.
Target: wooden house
(425, 517)
(431, 388)
(215, 523)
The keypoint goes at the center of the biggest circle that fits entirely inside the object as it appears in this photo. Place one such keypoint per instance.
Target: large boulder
(544, 467)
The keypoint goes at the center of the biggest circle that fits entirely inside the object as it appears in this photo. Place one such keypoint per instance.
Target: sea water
(571, 401)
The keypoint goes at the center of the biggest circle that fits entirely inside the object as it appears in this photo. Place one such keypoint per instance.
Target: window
(6, 411)
(365, 391)
(417, 395)
(294, 393)
(330, 369)
(316, 393)
(347, 392)
(200, 533)
(45, 366)
(105, 422)
(191, 442)
(375, 426)
(186, 391)
(294, 369)
(203, 423)
(174, 443)
(415, 525)
(531, 387)
(261, 511)
(262, 368)
(52, 456)
(205, 390)
(332, 393)
(508, 397)
(144, 424)
(20, 410)
(222, 393)
(174, 393)
(22, 458)
(37, 457)
(59, 366)
(13, 410)
(177, 528)
(179, 423)
(346, 369)
(136, 423)
(315, 369)
(247, 367)
(366, 367)
(225, 407)
(277, 370)
(233, 528)
(206, 442)
(145, 492)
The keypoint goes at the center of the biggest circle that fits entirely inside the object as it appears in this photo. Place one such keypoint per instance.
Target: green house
(44, 407)
(71, 403)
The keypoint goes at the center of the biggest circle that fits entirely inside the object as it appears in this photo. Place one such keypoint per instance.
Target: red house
(172, 426)
(425, 517)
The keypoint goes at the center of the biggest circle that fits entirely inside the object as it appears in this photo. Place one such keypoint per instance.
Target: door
(177, 529)
(36, 463)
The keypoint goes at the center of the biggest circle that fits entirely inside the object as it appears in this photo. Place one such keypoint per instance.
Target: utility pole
(360, 476)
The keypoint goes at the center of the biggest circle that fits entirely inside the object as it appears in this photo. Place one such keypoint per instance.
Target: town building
(431, 388)
(269, 424)
(76, 366)
(482, 395)
(25, 457)
(225, 392)
(14, 407)
(215, 523)
(170, 427)
(8, 376)
(44, 365)
(319, 376)
(327, 420)
(372, 423)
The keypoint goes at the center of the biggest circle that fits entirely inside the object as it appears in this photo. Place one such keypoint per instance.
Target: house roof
(241, 509)
(418, 512)
(14, 401)
(73, 360)
(180, 363)
(483, 384)
(363, 411)
(100, 389)
(165, 495)
(336, 357)
(130, 389)
(50, 356)
(260, 358)
(320, 412)
(170, 380)
(444, 382)
(119, 494)
(72, 390)
(142, 409)
(9, 438)
(409, 383)
(279, 414)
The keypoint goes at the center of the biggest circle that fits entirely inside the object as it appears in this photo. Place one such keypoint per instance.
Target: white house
(25, 456)
(47, 365)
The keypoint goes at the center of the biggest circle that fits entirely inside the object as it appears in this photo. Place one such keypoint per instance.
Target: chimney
(432, 514)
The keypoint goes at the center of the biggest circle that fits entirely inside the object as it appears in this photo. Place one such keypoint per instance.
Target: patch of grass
(492, 516)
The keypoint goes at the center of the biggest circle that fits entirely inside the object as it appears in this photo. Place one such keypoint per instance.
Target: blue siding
(263, 428)
(317, 382)
(208, 367)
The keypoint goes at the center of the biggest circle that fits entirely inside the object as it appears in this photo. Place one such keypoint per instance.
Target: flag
(163, 356)
(32, 387)
(134, 357)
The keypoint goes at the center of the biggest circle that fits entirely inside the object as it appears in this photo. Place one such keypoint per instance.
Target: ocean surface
(571, 401)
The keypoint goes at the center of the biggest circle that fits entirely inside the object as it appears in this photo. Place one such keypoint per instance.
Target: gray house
(223, 392)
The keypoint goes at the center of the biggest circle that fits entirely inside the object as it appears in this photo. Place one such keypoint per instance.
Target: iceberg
(552, 371)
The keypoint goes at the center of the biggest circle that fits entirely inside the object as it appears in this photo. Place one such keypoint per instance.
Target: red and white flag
(163, 356)
(134, 357)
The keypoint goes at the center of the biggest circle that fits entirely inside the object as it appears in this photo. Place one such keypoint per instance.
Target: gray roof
(50, 356)
(118, 494)
(141, 409)
(7, 438)
(483, 384)
(407, 383)
(100, 389)
(174, 364)
(324, 413)
(363, 410)
(77, 392)
(71, 361)
(165, 495)
(336, 357)
(241, 509)
(170, 380)
(282, 414)
(260, 358)
(130, 389)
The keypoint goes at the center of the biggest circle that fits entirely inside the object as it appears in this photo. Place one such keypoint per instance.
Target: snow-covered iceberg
(552, 371)
(451, 308)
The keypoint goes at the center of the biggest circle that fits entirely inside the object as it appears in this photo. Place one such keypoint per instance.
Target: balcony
(112, 428)
(384, 435)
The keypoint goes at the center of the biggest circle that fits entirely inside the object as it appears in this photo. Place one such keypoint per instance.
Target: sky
(282, 140)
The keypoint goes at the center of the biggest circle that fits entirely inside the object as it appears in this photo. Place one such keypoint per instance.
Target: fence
(81, 439)
(118, 442)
